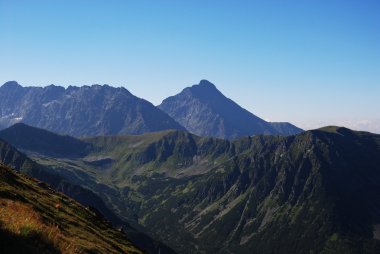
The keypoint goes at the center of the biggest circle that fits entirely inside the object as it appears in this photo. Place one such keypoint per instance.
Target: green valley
(315, 192)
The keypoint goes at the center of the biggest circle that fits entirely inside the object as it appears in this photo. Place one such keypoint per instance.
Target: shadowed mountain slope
(315, 192)
(62, 182)
(45, 142)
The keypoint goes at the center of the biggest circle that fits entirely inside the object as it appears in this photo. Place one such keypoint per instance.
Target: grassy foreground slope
(35, 219)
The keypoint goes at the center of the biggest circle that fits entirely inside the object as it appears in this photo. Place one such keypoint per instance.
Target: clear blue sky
(309, 62)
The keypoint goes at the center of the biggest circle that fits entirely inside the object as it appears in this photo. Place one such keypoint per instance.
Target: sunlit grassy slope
(35, 219)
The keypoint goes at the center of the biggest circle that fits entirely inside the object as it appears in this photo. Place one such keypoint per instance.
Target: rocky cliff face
(204, 110)
(81, 111)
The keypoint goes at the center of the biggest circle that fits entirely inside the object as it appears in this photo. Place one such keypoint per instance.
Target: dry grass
(49, 222)
(21, 220)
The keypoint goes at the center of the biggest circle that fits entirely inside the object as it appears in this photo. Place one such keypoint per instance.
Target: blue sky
(312, 63)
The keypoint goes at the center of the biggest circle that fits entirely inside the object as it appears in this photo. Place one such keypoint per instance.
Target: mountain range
(196, 174)
(81, 111)
(314, 192)
(104, 110)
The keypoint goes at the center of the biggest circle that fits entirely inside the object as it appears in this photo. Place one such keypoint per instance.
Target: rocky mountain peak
(205, 111)
(204, 90)
(11, 84)
(206, 84)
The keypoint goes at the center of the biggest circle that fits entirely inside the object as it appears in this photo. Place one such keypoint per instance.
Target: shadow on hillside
(33, 243)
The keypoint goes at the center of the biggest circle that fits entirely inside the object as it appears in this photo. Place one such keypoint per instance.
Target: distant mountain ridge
(45, 142)
(104, 110)
(81, 111)
(203, 110)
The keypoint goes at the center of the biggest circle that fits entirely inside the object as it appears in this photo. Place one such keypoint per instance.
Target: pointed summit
(206, 84)
(11, 84)
(204, 91)
(205, 111)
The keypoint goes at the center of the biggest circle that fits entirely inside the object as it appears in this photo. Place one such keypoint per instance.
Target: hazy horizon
(311, 64)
